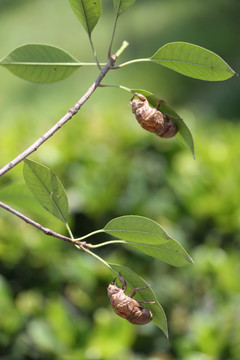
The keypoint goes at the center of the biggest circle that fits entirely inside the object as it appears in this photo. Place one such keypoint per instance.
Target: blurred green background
(53, 301)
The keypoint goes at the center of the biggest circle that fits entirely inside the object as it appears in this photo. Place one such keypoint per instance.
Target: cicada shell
(151, 119)
(127, 307)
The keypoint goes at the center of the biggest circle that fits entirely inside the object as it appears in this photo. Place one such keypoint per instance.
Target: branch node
(73, 110)
(82, 244)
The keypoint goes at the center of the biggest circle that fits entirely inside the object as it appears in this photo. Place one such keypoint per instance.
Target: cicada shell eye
(136, 104)
(112, 289)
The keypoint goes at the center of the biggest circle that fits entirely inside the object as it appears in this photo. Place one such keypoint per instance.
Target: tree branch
(71, 112)
(83, 245)
(36, 225)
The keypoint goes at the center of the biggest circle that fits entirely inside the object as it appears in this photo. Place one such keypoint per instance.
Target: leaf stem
(117, 86)
(107, 243)
(94, 52)
(132, 62)
(82, 247)
(88, 235)
(69, 231)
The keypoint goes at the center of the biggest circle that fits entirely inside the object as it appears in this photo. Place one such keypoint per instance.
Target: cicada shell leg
(168, 116)
(160, 101)
(123, 281)
(136, 289)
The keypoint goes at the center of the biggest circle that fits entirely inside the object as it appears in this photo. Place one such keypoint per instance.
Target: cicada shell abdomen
(127, 307)
(152, 119)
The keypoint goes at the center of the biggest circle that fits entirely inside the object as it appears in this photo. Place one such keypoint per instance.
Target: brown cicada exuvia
(127, 307)
(151, 119)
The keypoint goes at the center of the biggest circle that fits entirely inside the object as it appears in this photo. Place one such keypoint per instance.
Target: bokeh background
(53, 301)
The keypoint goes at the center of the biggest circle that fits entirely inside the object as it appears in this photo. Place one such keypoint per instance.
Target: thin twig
(71, 112)
(46, 231)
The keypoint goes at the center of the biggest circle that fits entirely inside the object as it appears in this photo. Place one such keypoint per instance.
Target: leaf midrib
(75, 64)
(160, 248)
(190, 63)
(54, 203)
(165, 236)
(85, 18)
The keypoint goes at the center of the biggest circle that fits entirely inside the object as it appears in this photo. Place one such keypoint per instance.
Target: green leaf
(136, 229)
(133, 281)
(123, 5)
(88, 12)
(171, 252)
(149, 237)
(184, 134)
(194, 61)
(46, 188)
(40, 63)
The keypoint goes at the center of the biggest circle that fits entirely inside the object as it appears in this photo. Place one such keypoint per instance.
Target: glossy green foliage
(40, 63)
(147, 236)
(68, 296)
(184, 133)
(88, 12)
(123, 5)
(46, 188)
(53, 300)
(194, 61)
(134, 281)
(137, 231)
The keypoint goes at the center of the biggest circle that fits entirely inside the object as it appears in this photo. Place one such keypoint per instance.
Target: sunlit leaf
(171, 252)
(46, 188)
(149, 237)
(133, 281)
(88, 12)
(184, 133)
(40, 63)
(194, 61)
(123, 5)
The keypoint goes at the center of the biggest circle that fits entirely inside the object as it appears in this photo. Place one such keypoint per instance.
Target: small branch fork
(82, 245)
